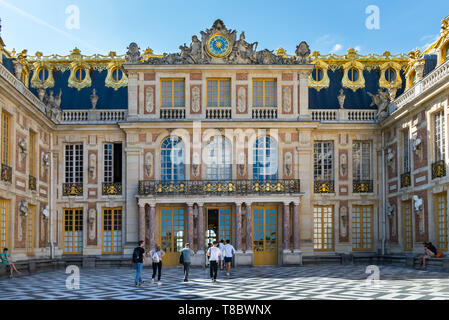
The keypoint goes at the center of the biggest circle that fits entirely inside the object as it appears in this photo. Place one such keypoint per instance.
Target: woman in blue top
(156, 255)
(9, 264)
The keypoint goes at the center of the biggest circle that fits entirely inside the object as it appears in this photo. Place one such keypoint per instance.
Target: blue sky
(328, 26)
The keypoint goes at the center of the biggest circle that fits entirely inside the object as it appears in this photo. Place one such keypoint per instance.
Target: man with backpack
(184, 259)
(138, 259)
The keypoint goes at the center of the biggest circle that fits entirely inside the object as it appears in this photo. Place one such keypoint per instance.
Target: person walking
(214, 254)
(229, 251)
(156, 255)
(138, 259)
(186, 253)
(9, 264)
(221, 247)
(209, 245)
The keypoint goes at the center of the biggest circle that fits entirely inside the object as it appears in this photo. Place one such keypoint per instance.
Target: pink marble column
(286, 228)
(152, 225)
(200, 227)
(249, 228)
(141, 221)
(296, 226)
(238, 226)
(189, 237)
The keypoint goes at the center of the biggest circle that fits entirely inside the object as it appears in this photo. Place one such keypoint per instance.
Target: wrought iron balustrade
(323, 186)
(72, 189)
(32, 183)
(231, 187)
(438, 169)
(406, 180)
(112, 189)
(6, 174)
(362, 186)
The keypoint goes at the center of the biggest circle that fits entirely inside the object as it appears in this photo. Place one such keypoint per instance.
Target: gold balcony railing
(406, 180)
(231, 187)
(32, 184)
(6, 174)
(72, 189)
(112, 189)
(323, 186)
(362, 186)
(438, 169)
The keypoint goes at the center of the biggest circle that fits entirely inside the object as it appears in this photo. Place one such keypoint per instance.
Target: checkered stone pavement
(267, 283)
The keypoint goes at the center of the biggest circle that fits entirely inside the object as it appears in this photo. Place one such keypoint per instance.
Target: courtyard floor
(267, 283)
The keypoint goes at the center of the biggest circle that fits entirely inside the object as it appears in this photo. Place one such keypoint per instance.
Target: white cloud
(357, 49)
(337, 47)
(430, 39)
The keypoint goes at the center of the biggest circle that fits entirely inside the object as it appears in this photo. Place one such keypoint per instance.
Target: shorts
(228, 259)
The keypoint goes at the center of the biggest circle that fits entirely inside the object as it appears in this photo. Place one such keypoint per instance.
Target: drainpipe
(384, 199)
(50, 199)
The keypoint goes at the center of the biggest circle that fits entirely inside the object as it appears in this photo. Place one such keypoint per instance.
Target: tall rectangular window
(112, 163)
(74, 163)
(362, 228)
(264, 93)
(172, 93)
(112, 230)
(439, 136)
(441, 220)
(6, 136)
(30, 230)
(219, 93)
(361, 160)
(407, 224)
(32, 156)
(323, 160)
(405, 151)
(73, 231)
(323, 228)
(4, 208)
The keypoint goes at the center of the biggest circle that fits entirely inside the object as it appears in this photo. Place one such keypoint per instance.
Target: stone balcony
(93, 116)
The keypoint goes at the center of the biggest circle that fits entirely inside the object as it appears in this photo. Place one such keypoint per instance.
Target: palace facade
(290, 157)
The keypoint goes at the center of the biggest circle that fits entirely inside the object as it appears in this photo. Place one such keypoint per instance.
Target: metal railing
(323, 186)
(406, 180)
(72, 189)
(6, 174)
(208, 187)
(362, 186)
(438, 169)
(32, 183)
(112, 189)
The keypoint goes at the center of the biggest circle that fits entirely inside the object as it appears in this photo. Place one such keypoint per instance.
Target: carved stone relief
(149, 99)
(92, 166)
(91, 222)
(149, 164)
(241, 102)
(287, 98)
(288, 163)
(343, 164)
(196, 99)
(343, 221)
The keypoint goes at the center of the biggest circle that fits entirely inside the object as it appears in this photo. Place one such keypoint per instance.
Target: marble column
(152, 224)
(249, 228)
(238, 226)
(189, 237)
(141, 221)
(296, 226)
(200, 226)
(286, 229)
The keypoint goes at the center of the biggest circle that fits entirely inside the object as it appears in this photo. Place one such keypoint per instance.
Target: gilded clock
(219, 45)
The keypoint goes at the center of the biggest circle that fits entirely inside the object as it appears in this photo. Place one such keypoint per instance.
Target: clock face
(218, 45)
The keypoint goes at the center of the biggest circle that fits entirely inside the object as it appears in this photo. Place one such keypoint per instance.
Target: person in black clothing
(138, 259)
(429, 252)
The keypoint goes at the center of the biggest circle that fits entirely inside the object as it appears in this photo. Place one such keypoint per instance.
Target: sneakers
(152, 280)
(185, 280)
(137, 285)
(228, 274)
(215, 280)
(142, 282)
(159, 283)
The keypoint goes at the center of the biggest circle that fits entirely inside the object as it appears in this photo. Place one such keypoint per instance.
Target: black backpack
(136, 255)
(181, 258)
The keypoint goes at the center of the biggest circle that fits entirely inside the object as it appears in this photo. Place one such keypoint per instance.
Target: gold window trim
(218, 91)
(113, 223)
(440, 246)
(323, 83)
(353, 85)
(172, 91)
(115, 84)
(30, 230)
(263, 90)
(362, 244)
(4, 215)
(383, 82)
(6, 145)
(38, 83)
(73, 82)
(73, 213)
(323, 229)
(408, 245)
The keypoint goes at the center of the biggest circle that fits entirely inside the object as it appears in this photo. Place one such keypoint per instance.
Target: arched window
(80, 74)
(172, 159)
(117, 74)
(390, 75)
(317, 74)
(353, 74)
(219, 159)
(265, 160)
(42, 74)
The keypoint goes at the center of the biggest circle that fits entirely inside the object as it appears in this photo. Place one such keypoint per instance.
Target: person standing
(229, 251)
(156, 255)
(221, 247)
(187, 253)
(214, 254)
(209, 245)
(138, 259)
(7, 261)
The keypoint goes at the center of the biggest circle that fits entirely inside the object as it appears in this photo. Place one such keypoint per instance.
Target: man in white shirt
(214, 255)
(229, 251)
(221, 261)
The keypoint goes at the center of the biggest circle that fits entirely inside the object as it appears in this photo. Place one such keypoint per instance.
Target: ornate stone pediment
(219, 45)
